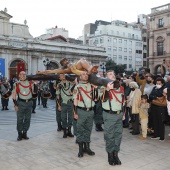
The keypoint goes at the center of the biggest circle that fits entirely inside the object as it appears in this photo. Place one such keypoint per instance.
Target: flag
(2, 67)
(20, 67)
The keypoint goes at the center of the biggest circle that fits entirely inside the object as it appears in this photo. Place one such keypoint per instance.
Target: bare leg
(75, 70)
(82, 64)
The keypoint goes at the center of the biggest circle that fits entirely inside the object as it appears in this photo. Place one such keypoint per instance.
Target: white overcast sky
(74, 14)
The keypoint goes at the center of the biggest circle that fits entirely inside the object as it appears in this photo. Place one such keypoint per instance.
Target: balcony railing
(160, 53)
(160, 25)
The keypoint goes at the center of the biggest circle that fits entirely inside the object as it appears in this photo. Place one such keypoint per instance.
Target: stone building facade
(17, 45)
(159, 38)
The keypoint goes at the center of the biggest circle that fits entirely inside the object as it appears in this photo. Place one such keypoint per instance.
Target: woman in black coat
(158, 112)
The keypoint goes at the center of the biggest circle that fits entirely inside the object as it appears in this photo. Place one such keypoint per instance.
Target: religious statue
(76, 68)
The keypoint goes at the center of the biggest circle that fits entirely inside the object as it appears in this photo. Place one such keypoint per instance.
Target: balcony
(160, 25)
(161, 53)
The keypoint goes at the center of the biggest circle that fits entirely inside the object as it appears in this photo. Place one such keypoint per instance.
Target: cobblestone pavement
(47, 150)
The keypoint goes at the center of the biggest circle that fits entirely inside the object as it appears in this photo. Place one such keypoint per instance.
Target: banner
(2, 67)
(20, 67)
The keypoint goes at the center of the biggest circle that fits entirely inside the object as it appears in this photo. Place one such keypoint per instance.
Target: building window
(125, 49)
(160, 48)
(130, 65)
(133, 36)
(95, 41)
(144, 31)
(139, 44)
(125, 57)
(130, 42)
(120, 48)
(130, 58)
(109, 57)
(120, 57)
(115, 56)
(109, 39)
(129, 35)
(109, 48)
(144, 63)
(115, 40)
(160, 23)
(139, 51)
(101, 40)
(144, 47)
(144, 39)
(120, 40)
(144, 55)
(114, 48)
(125, 42)
(130, 50)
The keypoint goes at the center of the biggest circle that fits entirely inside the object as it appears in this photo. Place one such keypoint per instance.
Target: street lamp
(103, 67)
(46, 63)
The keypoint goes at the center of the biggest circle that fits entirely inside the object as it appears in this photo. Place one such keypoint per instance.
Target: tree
(111, 65)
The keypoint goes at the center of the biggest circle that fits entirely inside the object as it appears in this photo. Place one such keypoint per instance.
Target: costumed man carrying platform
(112, 102)
(22, 99)
(64, 90)
(84, 96)
(58, 104)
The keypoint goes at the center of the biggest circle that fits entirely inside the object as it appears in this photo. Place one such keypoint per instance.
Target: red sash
(18, 89)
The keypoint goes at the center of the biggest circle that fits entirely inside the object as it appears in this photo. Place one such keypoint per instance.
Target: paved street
(47, 150)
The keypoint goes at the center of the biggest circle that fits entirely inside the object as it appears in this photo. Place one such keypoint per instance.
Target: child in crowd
(143, 114)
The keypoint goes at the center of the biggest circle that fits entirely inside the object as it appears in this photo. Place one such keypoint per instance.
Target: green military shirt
(87, 98)
(24, 92)
(64, 90)
(115, 103)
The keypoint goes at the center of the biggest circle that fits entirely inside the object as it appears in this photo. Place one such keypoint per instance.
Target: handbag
(160, 101)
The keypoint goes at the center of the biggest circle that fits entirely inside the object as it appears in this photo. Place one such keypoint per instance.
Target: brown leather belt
(112, 112)
(85, 109)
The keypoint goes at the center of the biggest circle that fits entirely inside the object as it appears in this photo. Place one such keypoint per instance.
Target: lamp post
(46, 63)
(103, 67)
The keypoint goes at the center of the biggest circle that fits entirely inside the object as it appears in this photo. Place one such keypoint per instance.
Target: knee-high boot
(87, 149)
(117, 160)
(80, 154)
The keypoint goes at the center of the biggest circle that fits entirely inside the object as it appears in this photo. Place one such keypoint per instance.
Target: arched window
(14, 63)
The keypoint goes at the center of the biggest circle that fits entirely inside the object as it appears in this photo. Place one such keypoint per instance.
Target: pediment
(4, 15)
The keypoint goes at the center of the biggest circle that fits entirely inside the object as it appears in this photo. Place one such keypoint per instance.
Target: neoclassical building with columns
(159, 39)
(18, 48)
